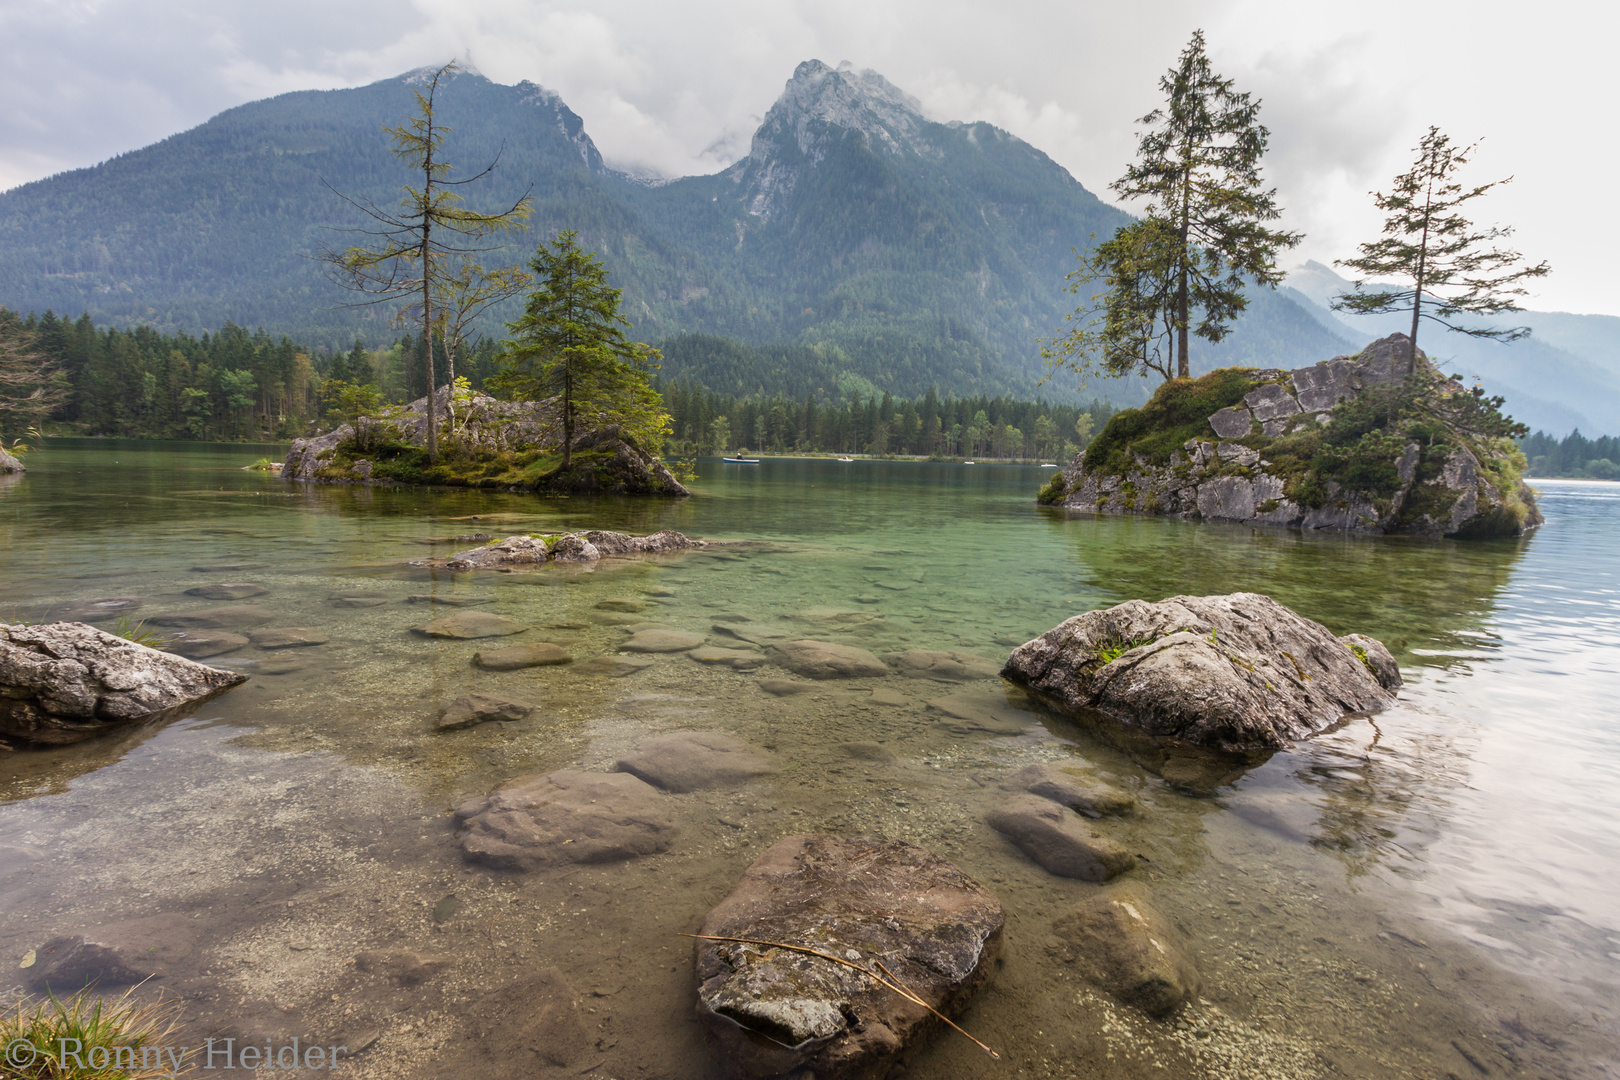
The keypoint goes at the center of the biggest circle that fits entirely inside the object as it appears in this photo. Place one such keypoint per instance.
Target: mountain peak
(818, 98)
(843, 97)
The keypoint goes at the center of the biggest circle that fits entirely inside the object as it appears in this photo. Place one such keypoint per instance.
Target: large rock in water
(1239, 673)
(774, 1012)
(585, 547)
(65, 682)
(9, 464)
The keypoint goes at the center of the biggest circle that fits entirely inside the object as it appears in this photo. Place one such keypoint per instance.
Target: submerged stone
(565, 817)
(741, 659)
(472, 625)
(615, 667)
(1120, 942)
(988, 712)
(360, 600)
(449, 600)
(1072, 788)
(66, 965)
(470, 709)
(944, 666)
(692, 760)
(225, 618)
(228, 591)
(528, 655)
(662, 641)
(1059, 839)
(826, 660)
(199, 644)
(775, 1012)
(290, 637)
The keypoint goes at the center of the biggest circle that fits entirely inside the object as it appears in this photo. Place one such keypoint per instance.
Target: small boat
(970, 463)
(740, 460)
(1048, 466)
(846, 457)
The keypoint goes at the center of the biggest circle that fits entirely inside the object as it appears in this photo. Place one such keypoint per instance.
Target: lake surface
(1428, 892)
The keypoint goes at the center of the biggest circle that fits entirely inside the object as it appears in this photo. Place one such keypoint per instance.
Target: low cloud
(674, 89)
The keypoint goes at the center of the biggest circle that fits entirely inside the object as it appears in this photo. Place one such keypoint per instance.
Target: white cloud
(678, 88)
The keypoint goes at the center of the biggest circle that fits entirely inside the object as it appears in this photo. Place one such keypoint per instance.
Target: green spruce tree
(570, 343)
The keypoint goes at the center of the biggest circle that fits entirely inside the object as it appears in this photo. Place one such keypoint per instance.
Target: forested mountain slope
(873, 246)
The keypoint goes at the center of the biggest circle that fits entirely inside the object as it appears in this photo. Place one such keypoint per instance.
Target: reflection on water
(1402, 895)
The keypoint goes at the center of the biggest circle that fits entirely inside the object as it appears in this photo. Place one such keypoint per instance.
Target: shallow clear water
(1422, 893)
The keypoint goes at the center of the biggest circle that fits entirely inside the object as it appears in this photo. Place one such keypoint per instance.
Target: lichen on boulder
(1352, 444)
(1239, 673)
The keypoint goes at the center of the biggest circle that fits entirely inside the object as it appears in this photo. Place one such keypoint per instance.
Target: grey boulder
(1059, 840)
(691, 760)
(775, 1012)
(565, 817)
(65, 682)
(1239, 673)
(513, 551)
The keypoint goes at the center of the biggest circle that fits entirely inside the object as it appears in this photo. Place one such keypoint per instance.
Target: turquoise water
(1396, 897)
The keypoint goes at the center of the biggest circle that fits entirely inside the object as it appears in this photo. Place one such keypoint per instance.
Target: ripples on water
(1398, 896)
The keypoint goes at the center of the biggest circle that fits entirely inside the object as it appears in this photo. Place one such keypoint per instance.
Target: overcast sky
(677, 88)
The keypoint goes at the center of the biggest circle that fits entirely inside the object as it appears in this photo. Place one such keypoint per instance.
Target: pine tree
(1428, 242)
(1202, 240)
(570, 341)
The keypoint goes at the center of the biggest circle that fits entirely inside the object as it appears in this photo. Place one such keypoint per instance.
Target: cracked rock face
(773, 1012)
(66, 682)
(1239, 673)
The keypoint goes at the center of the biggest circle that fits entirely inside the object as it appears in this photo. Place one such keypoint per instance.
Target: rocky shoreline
(488, 443)
(1266, 456)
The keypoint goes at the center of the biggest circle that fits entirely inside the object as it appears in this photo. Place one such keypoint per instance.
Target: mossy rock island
(487, 443)
(1354, 443)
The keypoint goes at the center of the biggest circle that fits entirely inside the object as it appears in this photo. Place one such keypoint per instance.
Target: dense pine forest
(1573, 456)
(238, 384)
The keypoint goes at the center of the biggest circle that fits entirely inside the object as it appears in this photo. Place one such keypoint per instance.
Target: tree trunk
(1183, 367)
(427, 294)
(568, 416)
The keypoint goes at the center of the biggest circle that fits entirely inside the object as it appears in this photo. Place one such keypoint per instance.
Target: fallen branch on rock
(892, 982)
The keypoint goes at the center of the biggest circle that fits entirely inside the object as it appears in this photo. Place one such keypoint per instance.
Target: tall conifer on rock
(409, 258)
(1202, 240)
(1427, 241)
(570, 342)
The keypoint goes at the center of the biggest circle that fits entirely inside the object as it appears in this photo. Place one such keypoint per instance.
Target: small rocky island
(485, 443)
(1348, 444)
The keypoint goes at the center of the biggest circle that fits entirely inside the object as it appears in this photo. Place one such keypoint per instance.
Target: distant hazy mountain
(1565, 375)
